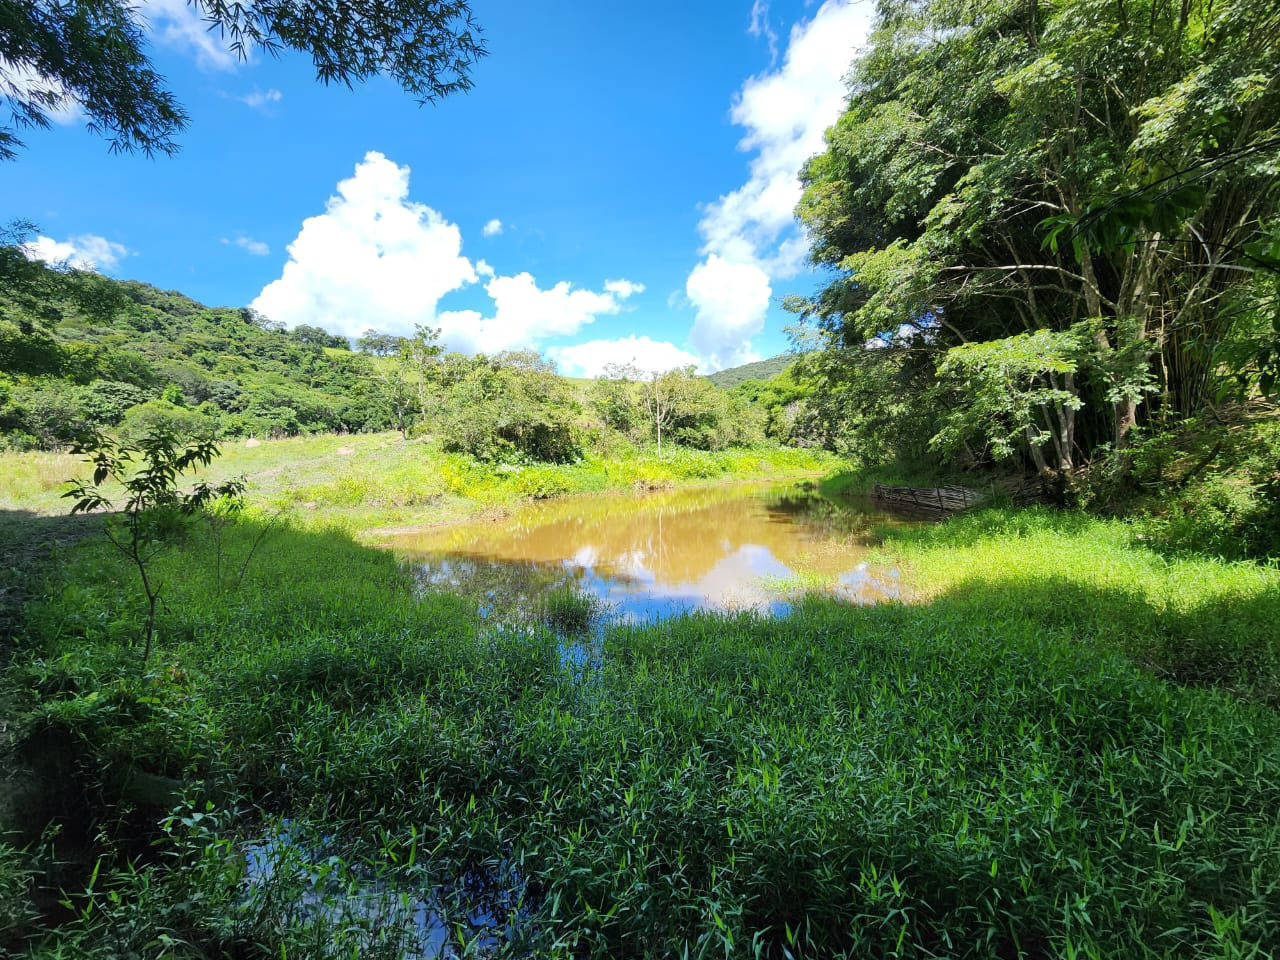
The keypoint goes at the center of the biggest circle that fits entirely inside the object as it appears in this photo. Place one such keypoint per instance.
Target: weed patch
(999, 768)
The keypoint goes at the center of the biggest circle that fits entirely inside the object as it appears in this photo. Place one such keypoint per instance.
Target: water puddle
(648, 556)
(388, 912)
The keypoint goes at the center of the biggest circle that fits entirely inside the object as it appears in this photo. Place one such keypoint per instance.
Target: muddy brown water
(650, 555)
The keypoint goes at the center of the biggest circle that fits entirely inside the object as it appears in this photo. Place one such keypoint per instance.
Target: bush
(157, 417)
(540, 482)
(1218, 487)
(510, 407)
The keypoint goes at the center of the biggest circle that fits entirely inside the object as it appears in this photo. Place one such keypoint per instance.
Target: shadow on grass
(326, 680)
(27, 540)
(1229, 642)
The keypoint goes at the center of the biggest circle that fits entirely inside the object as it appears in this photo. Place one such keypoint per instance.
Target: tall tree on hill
(1053, 200)
(93, 53)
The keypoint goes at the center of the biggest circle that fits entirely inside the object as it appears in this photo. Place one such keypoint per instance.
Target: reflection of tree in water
(692, 542)
(854, 519)
(501, 587)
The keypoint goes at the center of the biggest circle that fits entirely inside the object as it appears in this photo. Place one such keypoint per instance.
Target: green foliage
(871, 405)
(107, 402)
(158, 416)
(760, 370)
(569, 610)
(789, 407)
(985, 772)
(675, 406)
(148, 473)
(89, 370)
(507, 407)
(95, 55)
(1005, 388)
(407, 378)
(163, 361)
(17, 912)
(1006, 172)
(1210, 487)
(616, 400)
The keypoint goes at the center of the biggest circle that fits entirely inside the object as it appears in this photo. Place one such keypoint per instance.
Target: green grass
(367, 481)
(1064, 746)
(1082, 580)
(569, 610)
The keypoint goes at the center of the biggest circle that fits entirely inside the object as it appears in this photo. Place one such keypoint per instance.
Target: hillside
(81, 353)
(760, 370)
(135, 354)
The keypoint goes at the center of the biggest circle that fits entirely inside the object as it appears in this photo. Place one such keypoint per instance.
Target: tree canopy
(93, 52)
(1050, 207)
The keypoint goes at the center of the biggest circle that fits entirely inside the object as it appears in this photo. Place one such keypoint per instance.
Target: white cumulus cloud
(525, 315)
(374, 258)
(255, 247)
(85, 252)
(492, 228)
(377, 259)
(649, 356)
(261, 99)
(731, 299)
(750, 238)
(177, 24)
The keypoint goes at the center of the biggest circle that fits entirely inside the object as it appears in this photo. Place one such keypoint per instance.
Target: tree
(615, 397)
(379, 344)
(93, 52)
(668, 397)
(318, 337)
(406, 374)
(508, 406)
(1009, 168)
(153, 506)
(419, 363)
(33, 295)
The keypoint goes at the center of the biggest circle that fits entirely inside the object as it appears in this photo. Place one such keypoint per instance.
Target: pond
(650, 555)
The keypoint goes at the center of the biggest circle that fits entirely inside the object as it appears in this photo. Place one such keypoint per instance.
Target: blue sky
(616, 188)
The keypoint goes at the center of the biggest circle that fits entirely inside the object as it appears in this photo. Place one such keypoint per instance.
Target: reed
(1042, 755)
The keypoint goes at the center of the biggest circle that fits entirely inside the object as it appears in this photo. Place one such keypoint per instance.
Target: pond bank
(375, 481)
(1039, 755)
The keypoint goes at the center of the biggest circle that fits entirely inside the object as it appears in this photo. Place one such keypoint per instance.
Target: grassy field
(364, 481)
(1065, 746)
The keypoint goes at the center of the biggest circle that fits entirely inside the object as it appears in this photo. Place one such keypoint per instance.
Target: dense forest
(1052, 232)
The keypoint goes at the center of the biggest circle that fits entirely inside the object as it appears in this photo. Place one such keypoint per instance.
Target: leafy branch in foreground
(94, 55)
(154, 507)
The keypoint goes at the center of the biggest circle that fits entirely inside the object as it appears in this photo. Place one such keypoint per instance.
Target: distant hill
(153, 355)
(760, 370)
(81, 353)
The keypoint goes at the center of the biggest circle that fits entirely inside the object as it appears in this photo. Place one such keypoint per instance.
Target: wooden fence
(929, 499)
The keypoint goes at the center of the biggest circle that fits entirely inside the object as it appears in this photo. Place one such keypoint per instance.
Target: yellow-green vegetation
(1064, 746)
(1195, 620)
(361, 481)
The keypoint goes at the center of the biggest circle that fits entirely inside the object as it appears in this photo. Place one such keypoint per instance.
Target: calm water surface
(729, 547)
